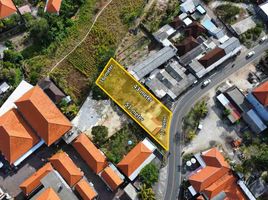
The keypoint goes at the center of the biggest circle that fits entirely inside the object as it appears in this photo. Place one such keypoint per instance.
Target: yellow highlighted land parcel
(136, 101)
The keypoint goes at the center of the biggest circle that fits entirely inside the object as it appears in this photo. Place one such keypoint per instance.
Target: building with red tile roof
(216, 178)
(136, 159)
(95, 159)
(66, 167)
(53, 6)
(16, 137)
(43, 115)
(112, 177)
(7, 8)
(85, 190)
(33, 182)
(186, 45)
(212, 56)
(261, 93)
(48, 194)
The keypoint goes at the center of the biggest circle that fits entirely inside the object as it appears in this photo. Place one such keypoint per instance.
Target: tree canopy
(149, 174)
(100, 134)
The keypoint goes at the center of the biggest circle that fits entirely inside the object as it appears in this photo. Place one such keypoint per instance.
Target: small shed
(4, 87)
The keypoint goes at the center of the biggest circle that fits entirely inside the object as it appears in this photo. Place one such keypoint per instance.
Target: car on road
(206, 82)
(250, 54)
(263, 39)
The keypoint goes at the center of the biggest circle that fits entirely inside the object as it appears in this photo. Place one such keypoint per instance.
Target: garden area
(252, 35)
(193, 118)
(229, 13)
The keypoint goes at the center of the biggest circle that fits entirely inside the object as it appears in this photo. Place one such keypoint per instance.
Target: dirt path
(79, 43)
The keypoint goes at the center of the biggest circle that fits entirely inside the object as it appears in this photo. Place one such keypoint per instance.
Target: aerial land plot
(137, 101)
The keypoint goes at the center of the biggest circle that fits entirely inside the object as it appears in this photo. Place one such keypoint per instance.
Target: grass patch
(228, 12)
(252, 35)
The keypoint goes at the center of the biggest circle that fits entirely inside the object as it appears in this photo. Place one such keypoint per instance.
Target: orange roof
(53, 6)
(66, 167)
(111, 178)
(33, 181)
(261, 93)
(85, 190)
(43, 115)
(134, 159)
(216, 177)
(16, 137)
(7, 8)
(48, 194)
(89, 152)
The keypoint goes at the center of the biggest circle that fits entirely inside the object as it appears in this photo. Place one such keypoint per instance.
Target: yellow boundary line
(119, 104)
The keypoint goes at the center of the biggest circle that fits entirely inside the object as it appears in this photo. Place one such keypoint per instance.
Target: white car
(250, 54)
(206, 82)
(264, 38)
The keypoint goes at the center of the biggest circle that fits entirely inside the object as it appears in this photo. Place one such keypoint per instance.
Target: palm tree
(146, 193)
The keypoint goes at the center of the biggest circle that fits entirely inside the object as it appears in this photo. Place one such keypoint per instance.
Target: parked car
(206, 82)
(250, 54)
(264, 38)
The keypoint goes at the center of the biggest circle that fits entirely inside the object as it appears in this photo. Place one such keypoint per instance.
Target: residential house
(141, 155)
(66, 167)
(215, 180)
(94, 158)
(163, 34)
(186, 45)
(51, 90)
(195, 29)
(189, 6)
(48, 193)
(263, 11)
(112, 177)
(7, 8)
(86, 190)
(53, 6)
(213, 29)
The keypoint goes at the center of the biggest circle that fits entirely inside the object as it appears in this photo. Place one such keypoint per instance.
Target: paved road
(184, 104)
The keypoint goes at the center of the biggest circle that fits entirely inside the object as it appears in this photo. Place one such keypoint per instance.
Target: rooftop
(85, 190)
(261, 93)
(264, 7)
(7, 8)
(48, 194)
(111, 177)
(53, 6)
(212, 57)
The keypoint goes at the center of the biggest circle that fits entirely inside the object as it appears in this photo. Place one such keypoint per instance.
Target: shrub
(149, 175)
(100, 134)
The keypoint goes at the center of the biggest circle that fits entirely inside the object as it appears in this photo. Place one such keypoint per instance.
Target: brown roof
(134, 159)
(52, 91)
(7, 8)
(43, 115)
(212, 56)
(85, 190)
(261, 93)
(111, 178)
(16, 137)
(89, 152)
(48, 194)
(195, 29)
(216, 177)
(53, 6)
(186, 45)
(66, 167)
(31, 183)
(176, 23)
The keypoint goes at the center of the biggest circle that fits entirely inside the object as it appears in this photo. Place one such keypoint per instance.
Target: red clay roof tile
(85, 190)
(53, 6)
(48, 194)
(7, 8)
(111, 178)
(261, 93)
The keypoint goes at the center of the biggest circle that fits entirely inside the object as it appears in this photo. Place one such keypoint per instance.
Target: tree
(149, 175)
(146, 193)
(98, 94)
(12, 56)
(100, 134)
(39, 30)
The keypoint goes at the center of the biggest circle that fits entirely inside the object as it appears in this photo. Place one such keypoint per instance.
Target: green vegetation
(9, 22)
(70, 110)
(228, 12)
(252, 34)
(98, 94)
(192, 119)
(117, 146)
(146, 193)
(100, 134)
(149, 174)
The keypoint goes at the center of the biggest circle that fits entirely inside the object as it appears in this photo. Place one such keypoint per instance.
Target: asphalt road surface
(184, 104)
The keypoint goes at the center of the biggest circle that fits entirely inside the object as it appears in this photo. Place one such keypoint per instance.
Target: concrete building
(144, 68)
(243, 25)
(263, 11)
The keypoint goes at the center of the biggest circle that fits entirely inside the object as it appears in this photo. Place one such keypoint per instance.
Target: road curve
(184, 104)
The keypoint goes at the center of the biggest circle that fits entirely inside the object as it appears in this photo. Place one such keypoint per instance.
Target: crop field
(79, 71)
(136, 101)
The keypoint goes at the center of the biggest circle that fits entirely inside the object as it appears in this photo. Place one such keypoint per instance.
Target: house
(66, 167)
(259, 100)
(53, 6)
(163, 33)
(216, 180)
(86, 190)
(34, 181)
(188, 6)
(195, 29)
(51, 90)
(212, 29)
(48, 193)
(94, 158)
(142, 69)
(112, 177)
(43, 115)
(16, 136)
(240, 28)
(7, 8)
(211, 57)
(4, 87)
(141, 155)
(263, 11)
(186, 45)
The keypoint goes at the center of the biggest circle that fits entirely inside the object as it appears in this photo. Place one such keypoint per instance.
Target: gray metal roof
(55, 181)
(254, 121)
(230, 45)
(191, 55)
(145, 67)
